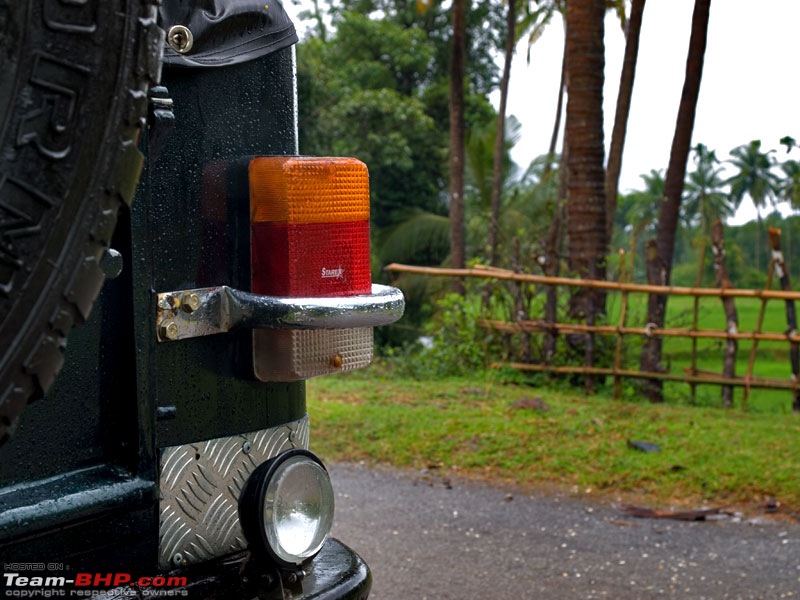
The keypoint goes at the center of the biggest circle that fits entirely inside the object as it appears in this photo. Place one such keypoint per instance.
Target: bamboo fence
(691, 375)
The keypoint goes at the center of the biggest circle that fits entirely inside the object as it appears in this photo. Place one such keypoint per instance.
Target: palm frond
(421, 236)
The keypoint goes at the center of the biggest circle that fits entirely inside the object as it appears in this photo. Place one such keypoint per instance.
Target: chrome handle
(207, 311)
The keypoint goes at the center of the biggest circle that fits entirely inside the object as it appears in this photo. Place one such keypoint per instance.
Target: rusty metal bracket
(208, 311)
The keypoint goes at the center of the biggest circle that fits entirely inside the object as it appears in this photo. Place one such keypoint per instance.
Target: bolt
(178, 560)
(191, 302)
(169, 330)
(166, 302)
(246, 447)
(180, 39)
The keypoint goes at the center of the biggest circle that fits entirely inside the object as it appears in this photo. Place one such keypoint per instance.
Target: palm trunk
(500, 138)
(659, 267)
(622, 112)
(552, 247)
(457, 228)
(585, 171)
(791, 315)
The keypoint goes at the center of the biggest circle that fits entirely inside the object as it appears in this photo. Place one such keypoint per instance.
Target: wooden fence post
(791, 315)
(731, 317)
(650, 359)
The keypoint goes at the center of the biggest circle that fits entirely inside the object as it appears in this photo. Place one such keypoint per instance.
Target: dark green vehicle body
(79, 482)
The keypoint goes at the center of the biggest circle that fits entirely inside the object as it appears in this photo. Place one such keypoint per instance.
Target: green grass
(469, 427)
(772, 358)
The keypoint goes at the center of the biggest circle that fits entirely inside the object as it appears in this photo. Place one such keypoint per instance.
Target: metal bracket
(208, 311)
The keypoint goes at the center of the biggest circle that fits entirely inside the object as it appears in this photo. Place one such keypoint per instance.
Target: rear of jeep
(171, 456)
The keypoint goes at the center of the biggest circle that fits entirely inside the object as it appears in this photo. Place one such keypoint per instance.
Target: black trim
(251, 503)
(226, 32)
(30, 508)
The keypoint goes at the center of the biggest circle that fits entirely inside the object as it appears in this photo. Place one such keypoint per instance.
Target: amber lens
(304, 189)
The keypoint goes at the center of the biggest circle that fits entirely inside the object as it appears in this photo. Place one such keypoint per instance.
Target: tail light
(310, 238)
(310, 226)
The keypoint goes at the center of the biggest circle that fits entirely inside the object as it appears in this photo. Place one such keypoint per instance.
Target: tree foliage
(373, 82)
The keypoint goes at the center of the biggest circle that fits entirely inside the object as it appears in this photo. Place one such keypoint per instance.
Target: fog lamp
(286, 507)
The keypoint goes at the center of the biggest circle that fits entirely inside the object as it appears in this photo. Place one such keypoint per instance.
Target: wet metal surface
(209, 311)
(431, 537)
(200, 484)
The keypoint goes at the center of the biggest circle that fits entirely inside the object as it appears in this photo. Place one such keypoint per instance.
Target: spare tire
(74, 77)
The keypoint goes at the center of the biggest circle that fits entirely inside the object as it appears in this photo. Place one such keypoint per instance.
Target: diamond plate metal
(200, 484)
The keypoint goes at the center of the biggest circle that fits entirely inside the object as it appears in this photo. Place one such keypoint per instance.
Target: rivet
(169, 330)
(336, 361)
(180, 39)
(190, 302)
(178, 560)
(246, 447)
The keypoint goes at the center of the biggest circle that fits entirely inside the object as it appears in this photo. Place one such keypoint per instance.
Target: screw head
(246, 447)
(190, 302)
(169, 330)
(180, 39)
(111, 263)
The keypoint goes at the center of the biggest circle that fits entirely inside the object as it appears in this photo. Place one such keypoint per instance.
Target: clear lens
(293, 354)
(298, 509)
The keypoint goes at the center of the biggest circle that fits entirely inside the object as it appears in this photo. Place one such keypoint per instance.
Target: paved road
(425, 537)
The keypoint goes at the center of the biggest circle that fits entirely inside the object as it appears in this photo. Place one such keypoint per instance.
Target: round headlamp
(286, 507)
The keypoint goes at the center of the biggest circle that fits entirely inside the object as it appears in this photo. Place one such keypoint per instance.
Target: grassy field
(772, 358)
(482, 427)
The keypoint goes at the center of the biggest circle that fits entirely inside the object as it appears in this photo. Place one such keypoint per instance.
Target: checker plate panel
(200, 484)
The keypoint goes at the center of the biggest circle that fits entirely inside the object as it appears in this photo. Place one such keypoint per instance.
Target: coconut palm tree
(659, 263)
(704, 200)
(755, 178)
(614, 166)
(584, 138)
(585, 171)
(637, 213)
(499, 143)
(789, 187)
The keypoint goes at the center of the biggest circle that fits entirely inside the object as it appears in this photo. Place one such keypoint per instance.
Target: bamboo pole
(542, 326)
(594, 283)
(620, 336)
(695, 323)
(751, 361)
(695, 311)
(702, 377)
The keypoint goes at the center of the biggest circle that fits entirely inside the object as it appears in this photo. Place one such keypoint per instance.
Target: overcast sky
(750, 87)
